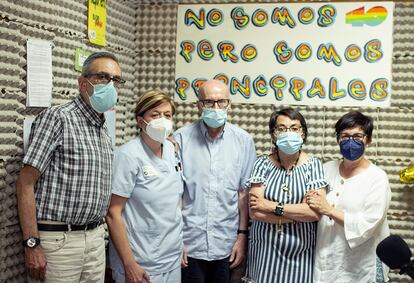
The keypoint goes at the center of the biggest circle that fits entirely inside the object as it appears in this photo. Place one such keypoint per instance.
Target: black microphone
(396, 254)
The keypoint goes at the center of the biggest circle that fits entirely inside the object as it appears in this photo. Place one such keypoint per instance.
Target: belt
(68, 227)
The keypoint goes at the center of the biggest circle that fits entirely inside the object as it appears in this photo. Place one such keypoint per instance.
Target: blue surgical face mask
(104, 97)
(289, 142)
(214, 118)
(352, 150)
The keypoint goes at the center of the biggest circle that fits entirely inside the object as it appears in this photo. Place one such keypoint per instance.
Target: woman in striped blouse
(283, 232)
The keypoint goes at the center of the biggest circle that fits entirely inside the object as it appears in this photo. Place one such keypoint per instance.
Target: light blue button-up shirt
(214, 173)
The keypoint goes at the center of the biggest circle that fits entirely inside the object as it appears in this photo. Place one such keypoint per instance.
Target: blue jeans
(204, 271)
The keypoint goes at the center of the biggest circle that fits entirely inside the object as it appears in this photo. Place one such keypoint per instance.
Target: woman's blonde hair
(151, 99)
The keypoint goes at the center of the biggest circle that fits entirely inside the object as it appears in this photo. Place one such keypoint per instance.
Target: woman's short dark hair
(355, 119)
(293, 115)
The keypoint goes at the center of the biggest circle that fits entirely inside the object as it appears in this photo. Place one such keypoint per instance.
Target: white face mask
(159, 129)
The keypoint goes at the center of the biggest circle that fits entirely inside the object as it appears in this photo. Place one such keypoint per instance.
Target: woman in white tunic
(144, 217)
(354, 211)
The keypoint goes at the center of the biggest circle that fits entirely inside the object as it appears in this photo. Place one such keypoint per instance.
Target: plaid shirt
(70, 146)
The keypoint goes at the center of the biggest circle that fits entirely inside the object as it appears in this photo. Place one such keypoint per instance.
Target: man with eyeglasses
(64, 187)
(217, 158)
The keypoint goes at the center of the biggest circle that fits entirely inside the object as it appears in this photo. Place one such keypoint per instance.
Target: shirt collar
(204, 131)
(89, 113)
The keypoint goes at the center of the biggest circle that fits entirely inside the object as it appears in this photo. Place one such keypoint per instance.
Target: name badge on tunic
(148, 170)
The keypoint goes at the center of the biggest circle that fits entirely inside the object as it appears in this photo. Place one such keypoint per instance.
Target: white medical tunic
(152, 212)
(347, 254)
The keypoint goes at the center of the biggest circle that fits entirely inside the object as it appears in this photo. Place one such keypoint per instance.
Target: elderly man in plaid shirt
(64, 187)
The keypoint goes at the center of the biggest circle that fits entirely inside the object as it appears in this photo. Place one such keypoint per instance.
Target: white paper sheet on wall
(39, 73)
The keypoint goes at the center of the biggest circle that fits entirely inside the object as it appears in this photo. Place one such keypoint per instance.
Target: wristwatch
(245, 232)
(31, 242)
(279, 209)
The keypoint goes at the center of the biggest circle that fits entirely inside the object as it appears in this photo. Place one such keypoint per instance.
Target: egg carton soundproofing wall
(142, 34)
(393, 139)
(64, 23)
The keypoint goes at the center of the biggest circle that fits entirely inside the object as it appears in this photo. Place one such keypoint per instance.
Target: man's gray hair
(93, 57)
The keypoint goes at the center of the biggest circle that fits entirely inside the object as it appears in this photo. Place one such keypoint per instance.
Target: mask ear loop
(146, 124)
(86, 88)
(142, 119)
(92, 85)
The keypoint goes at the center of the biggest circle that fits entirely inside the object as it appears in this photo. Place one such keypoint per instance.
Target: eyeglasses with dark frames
(209, 103)
(106, 78)
(356, 137)
(283, 129)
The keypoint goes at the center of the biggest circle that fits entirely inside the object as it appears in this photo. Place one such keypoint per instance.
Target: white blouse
(347, 254)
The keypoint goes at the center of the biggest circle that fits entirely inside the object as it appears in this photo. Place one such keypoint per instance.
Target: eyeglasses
(209, 103)
(106, 78)
(282, 129)
(355, 137)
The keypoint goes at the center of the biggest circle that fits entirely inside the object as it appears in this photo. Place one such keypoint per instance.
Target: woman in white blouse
(354, 211)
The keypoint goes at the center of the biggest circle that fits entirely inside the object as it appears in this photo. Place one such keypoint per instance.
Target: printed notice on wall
(97, 22)
(39, 73)
(334, 54)
(80, 56)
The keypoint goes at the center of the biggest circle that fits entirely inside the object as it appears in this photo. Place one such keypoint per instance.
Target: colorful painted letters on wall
(294, 53)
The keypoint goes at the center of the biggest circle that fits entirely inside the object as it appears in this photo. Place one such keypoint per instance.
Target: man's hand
(184, 260)
(238, 253)
(135, 274)
(35, 262)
